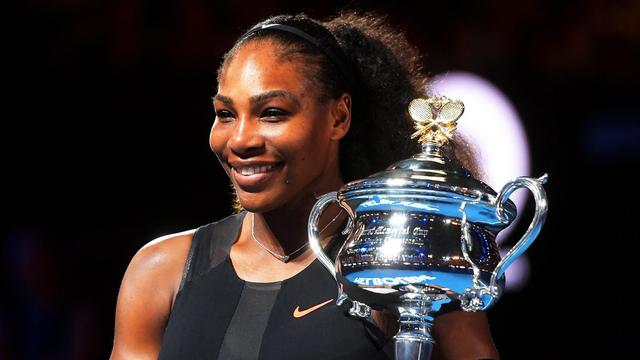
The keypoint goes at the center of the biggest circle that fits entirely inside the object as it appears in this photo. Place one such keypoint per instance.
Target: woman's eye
(274, 114)
(224, 114)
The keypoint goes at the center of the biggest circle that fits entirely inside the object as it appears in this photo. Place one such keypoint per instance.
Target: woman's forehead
(257, 67)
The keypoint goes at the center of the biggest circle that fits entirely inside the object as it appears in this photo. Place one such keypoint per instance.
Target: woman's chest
(219, 316)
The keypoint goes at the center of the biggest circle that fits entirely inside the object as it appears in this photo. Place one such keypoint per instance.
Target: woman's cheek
(216, 140)
(217, 143)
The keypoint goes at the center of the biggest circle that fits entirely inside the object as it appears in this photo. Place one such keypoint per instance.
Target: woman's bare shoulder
(147, 293)
(159, 264)
(164, 252)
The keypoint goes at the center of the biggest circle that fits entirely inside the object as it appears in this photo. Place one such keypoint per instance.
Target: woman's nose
(246, 139)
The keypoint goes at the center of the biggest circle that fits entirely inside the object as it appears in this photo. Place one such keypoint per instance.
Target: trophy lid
(430, 181)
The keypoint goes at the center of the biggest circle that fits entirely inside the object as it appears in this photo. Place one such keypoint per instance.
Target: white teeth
(252, 170)
(247, 171)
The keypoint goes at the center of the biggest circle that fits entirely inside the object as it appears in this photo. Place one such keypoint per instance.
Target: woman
(301, 108)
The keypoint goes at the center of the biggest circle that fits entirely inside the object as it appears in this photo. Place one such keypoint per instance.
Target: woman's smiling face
(277, 142)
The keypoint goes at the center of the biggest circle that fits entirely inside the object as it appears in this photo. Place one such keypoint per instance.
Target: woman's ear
(341, 117)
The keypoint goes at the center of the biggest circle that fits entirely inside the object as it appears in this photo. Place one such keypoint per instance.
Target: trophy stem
(413, 349)
(414, 340)
(431, 148)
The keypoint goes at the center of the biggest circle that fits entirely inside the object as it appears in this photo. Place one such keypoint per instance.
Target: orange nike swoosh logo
(297, 313)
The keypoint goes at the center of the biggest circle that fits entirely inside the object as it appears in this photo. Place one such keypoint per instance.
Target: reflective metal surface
(422, 237)
(429, 182)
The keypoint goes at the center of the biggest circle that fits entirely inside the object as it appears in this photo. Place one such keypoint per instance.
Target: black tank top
(217, 315)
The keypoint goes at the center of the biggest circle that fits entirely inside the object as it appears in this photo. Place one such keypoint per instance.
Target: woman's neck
(286, 227)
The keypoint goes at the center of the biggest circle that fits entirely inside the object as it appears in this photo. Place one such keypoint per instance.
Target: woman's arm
(146, 297)
(463, 335)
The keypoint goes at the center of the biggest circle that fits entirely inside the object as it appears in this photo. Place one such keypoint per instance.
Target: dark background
(105, 147)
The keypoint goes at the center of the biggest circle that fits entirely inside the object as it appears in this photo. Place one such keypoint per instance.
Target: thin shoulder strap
(210, 245)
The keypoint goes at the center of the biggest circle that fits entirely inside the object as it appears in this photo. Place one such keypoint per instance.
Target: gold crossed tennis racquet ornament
(435, 118)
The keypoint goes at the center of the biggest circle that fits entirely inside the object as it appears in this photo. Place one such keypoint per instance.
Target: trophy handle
(540, 196)
(313, 231)
(357, 308)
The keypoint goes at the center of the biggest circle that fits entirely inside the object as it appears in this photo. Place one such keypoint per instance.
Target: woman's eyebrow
(257, 99)
(260, 98)
(223, 99)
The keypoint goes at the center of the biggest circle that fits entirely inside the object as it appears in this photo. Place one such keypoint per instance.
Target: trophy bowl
(421, 234)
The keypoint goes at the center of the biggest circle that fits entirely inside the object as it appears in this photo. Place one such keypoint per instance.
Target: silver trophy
(421, 236)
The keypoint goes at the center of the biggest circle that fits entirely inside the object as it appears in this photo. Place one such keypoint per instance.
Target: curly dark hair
(387, 74)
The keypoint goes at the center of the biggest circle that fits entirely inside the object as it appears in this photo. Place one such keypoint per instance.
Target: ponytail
(389, 74)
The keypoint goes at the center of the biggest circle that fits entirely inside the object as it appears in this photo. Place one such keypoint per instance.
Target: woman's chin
(259, 203)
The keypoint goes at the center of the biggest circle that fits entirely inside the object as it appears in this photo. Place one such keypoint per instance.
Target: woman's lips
(251, 177)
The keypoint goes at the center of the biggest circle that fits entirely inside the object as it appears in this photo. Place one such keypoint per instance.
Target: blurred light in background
(493, 127)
